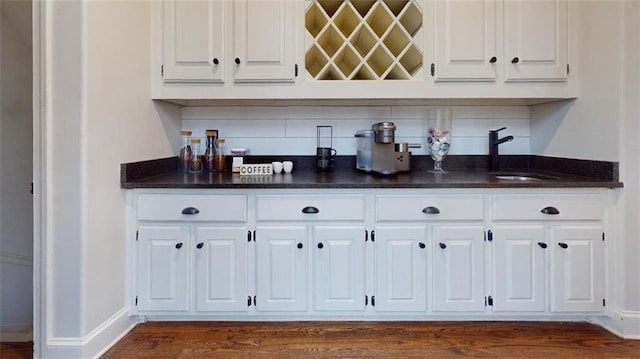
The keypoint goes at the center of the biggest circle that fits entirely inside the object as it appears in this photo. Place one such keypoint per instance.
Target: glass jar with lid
(185, 152)
(220, 163)
(195, 164)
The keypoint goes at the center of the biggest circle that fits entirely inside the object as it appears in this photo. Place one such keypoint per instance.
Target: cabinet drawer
(532, 207)
(427, 208)
(317, 208)
(167, 207)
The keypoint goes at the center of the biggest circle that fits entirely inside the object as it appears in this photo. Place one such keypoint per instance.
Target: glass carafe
(210, 151)
(185, 152)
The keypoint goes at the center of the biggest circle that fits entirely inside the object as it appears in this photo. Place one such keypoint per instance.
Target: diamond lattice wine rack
(363, 39)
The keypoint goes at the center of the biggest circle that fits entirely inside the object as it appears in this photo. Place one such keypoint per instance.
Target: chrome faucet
(494, 142)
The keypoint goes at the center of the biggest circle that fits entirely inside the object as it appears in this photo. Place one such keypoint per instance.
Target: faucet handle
(500, 129)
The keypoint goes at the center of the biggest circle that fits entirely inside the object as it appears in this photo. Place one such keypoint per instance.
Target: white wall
(122, 125)
(629, 203)
(99, 115)
(64, 173)
(16, 208)
(292, 130)
(603, 124)
(586, 128)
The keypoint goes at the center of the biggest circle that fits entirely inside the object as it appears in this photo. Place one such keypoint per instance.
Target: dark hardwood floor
(362, 340)
(371, 340)
(16, 350)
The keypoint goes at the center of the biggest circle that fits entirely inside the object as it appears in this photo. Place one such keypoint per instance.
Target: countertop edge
(161, 174)
(609, 185)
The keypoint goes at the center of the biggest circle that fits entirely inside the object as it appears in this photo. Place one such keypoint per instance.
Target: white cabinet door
(519, 268)
(281, 268)
(263, 40)
(536, 44)
(193, 36)
(465, 40)
(577, 278)
(401, 270)
(221, 269)
(458, 268)
(339, 268)
(163, 268)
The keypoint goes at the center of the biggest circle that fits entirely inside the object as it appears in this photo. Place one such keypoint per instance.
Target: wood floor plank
(371, 340)
(16, 350)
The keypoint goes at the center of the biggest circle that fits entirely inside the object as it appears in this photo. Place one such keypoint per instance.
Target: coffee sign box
(260, 169)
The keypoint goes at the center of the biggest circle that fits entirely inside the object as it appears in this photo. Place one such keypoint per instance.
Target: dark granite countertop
(463, 172)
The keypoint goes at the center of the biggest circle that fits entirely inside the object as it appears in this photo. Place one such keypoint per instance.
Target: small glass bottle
(185, 152)
(210, 150)
(195, 165)
(220, 163)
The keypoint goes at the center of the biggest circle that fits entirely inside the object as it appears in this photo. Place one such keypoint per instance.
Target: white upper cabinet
(536, 40)
(204, 40)
(465, 40)
(510, 40)
(193, 41)
(263, 40)
(359, 50)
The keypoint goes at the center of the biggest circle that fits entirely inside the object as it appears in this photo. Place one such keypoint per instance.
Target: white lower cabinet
(191, 253)
(163, 268)
(519, 268)
(282, 279)
(295, 229)
(337, 279)
(169, 257)
(548, 247)
(401, 268)
(370, 254)
(339, 268)
(452, 230)
(458, 268)
(221, 269)
(577, 268)
(281, 268)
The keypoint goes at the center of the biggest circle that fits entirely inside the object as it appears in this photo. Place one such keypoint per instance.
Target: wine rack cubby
(363, 40)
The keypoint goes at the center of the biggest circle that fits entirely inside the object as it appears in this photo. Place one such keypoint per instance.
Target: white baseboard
(95, 343)
(625, 324)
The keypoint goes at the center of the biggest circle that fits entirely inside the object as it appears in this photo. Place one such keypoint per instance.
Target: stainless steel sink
(523, 177)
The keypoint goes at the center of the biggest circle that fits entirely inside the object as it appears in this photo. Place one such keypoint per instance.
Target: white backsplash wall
(292, 130)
